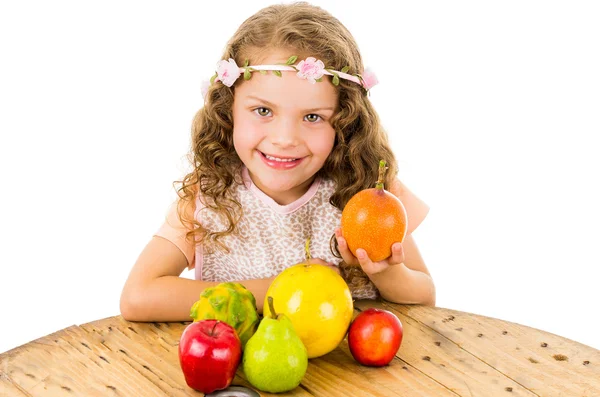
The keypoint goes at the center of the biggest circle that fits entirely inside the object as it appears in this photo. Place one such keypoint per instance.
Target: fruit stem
(307, 249)
(272, 307)
(212, 331)
(382, 169)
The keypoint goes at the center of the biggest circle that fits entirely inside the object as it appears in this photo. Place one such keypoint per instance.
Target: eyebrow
(270, 104)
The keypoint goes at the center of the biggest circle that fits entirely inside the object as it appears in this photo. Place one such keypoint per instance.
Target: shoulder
(176, 231)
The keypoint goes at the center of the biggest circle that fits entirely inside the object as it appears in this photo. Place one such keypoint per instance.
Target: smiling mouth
(279, 159)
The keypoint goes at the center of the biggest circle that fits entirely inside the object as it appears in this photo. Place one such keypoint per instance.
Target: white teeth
(277, 159)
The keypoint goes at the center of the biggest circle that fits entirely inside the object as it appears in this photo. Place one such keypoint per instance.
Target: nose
(285, 133)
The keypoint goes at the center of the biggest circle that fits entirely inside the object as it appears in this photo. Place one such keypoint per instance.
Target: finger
(347, 255)
(397, 254)
(367, 264)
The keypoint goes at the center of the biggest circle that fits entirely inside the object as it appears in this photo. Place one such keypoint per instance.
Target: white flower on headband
(310, 69)
(369, 79)
(227, 72)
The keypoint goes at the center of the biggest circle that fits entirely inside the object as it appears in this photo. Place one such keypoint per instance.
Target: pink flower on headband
(369, 79)
(310, 69)
(227, 72)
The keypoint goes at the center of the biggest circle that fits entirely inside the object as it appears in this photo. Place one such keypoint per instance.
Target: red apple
(374, 337)
(209, 354)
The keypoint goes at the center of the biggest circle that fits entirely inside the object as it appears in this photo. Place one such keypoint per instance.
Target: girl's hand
(363, 260)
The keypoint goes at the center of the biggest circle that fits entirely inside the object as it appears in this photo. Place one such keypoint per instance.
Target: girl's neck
(292, 195)
(283, 198)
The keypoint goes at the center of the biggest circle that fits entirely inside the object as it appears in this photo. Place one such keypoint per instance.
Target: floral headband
(310, 69)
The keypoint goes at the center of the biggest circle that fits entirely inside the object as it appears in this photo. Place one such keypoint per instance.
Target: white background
(492, 109)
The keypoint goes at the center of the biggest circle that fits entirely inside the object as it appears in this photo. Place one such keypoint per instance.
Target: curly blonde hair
(360, 142)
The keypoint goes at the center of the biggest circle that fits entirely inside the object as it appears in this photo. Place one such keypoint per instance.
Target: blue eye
(263, 112)
(312, 118)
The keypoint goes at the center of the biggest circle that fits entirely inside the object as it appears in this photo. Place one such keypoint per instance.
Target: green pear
(275, 359)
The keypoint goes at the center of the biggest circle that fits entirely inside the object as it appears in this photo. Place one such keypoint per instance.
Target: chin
(278, 186)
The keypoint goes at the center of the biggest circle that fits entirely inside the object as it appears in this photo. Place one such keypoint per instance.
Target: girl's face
(281, 130)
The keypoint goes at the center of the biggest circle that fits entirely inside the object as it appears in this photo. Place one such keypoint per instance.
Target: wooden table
(443, 353)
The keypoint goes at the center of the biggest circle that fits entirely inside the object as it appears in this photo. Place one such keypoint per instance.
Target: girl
(279, 147)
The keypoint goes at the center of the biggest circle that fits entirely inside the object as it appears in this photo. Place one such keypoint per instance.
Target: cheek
(242, 139)
(324, 144)
(245, 134)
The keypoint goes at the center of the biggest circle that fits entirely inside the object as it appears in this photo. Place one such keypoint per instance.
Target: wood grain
(424, 349)
(544, 363)
(443, 353)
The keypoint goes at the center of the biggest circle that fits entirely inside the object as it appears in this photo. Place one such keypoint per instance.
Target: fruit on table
(374, 219)
(374, 337)
(318, 302)
(210, 352)
(231, 303)
(275, 359)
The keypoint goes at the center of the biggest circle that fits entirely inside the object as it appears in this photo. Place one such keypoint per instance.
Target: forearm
(400, 284)
(170, 298)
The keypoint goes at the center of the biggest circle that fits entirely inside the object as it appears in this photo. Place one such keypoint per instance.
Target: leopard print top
(272, 237)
